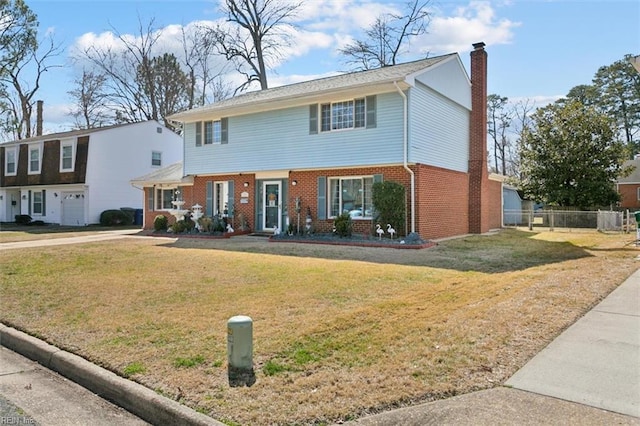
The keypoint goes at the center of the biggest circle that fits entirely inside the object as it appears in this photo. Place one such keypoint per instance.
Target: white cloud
(469, 24)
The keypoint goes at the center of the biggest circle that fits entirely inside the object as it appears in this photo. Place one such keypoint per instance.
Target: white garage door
(72, 209)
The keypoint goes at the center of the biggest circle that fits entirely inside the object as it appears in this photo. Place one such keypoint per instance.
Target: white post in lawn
(240, 351)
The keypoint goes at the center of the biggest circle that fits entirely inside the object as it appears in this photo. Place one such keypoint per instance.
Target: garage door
(73, 209)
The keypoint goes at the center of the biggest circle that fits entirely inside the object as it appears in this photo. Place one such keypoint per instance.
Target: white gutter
(405, 144)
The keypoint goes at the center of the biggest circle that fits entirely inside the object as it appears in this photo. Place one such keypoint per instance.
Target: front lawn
(339, 331)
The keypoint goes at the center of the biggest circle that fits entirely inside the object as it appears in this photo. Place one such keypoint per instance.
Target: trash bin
(138, 217)
(637, 215)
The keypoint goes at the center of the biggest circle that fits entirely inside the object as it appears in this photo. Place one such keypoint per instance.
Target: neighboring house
(70, 178)
(629, 187)
(512, 206)
(320, 145)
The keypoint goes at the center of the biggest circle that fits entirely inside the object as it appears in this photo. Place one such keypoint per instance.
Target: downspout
(405, 160)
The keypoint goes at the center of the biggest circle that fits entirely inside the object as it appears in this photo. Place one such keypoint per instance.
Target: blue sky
(538, 49)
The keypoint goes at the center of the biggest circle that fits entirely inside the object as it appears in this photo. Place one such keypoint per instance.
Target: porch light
(246, 184)
(294, 183)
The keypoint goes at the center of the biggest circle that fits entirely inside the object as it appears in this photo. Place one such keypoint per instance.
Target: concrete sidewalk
(596, 361)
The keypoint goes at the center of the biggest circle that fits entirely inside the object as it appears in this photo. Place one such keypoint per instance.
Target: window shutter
(224, 130)
(199, 133)
(313, 119)
(208, 209)
(44, 202)
(232, 198)
(150, 192)
(29, 203)
(322, 197)
(371, 112)
(374, 213)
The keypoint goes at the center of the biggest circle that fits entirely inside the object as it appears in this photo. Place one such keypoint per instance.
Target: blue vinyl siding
(280, 139)
(438, 130)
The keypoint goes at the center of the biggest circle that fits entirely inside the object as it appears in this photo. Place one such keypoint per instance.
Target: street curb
(133, 397)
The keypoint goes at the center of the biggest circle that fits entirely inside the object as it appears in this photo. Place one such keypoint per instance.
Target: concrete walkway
(99, 236)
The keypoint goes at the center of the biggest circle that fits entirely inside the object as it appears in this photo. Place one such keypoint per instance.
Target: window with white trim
(37, 202)
(351, 195)
(10, 161)
(638, 193)
(212, 132)
(156, 159)
(343, 115)
(165, 196)
(34, 159)
(67, 154)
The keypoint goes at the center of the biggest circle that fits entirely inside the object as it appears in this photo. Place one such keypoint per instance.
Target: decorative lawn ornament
(390, 230)
(379, 231)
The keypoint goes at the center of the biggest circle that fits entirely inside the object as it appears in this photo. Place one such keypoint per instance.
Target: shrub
(343, 225)
(160, 223)
(23, 219)
(389, 202)
(114, 218)
(206, 224)
(179, 227)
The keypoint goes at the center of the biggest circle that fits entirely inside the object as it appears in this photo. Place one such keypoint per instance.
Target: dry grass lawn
(340, 332)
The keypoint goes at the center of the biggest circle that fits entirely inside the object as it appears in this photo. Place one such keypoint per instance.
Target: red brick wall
(629, 194)
(441, 202)
(441, 199)
(307, 190)
(149, 215)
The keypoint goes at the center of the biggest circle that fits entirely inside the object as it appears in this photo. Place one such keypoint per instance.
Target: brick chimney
(478, 174)
(39, 118)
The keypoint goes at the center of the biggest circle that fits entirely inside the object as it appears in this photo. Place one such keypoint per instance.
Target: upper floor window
(349, 114)
(212, 132)
(11, 161)
(342, 115)
(156, 159)
(351, 195)
(67, 156)
(34, 159)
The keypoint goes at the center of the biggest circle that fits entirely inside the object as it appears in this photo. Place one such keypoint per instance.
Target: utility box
(240, 351)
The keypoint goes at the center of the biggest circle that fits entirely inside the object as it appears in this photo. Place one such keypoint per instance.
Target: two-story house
(266, 158)
(70, 178)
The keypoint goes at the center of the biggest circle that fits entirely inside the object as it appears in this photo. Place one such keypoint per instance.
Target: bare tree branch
(257, 36)
(386, 39)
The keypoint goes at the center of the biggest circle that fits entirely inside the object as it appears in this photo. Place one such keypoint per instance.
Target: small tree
(389, 202)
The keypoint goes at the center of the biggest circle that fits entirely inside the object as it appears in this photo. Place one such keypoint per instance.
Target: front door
(272, 205)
